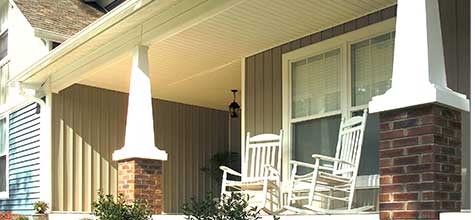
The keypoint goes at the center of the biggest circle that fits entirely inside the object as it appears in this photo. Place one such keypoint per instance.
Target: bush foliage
(232, 207)
(108, 208)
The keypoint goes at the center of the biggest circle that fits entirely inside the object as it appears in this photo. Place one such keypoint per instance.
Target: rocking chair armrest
(229, 170)
(303, 164)
(272, 170)
(331, 159)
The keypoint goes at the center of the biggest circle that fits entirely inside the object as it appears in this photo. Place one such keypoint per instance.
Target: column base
(420, 162)
(396, 98)
(141, 179)
(127, 153)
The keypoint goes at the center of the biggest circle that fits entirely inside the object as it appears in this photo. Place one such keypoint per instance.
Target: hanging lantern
(234, 107)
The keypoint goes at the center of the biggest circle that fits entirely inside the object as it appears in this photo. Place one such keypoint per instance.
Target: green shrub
(205, 209)
(232, 207)
(106, 208)
(21, 217)
(40, 207)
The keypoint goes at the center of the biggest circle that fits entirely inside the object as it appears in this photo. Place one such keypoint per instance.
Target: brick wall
(141, 179)
(420, 162)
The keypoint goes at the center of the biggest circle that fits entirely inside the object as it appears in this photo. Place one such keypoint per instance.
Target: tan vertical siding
(455, 22)
(89, 124)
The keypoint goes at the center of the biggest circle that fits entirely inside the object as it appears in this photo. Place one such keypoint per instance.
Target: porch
(194, 53)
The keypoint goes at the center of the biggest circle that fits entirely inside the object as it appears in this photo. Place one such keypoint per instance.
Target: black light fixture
(234, 107)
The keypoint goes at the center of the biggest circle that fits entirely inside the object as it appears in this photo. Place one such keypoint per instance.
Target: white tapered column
(139, 133)
(419, 74)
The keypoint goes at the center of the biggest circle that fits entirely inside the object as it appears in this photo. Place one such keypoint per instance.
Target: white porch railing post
(139, 133)
(419, 74)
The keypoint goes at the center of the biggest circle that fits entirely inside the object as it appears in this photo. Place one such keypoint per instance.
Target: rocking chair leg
(223, 184)
(329, 200)
(264, 191)
(350, 199)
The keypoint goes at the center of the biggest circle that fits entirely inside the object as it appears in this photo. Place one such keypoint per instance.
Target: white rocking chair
(261, 172)
(333, 181)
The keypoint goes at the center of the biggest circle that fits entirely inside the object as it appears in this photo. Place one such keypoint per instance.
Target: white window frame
(6, 193)
(343, 42)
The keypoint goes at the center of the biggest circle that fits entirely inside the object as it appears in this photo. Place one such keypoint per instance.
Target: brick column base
(420, 162)
(141, 179)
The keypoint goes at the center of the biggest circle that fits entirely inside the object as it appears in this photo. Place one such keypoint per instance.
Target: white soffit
(201, 64)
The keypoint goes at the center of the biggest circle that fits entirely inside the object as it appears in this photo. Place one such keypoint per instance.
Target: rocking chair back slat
(262, 150)
(349, 145)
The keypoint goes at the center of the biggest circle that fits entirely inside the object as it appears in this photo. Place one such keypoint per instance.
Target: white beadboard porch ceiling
(200, 65)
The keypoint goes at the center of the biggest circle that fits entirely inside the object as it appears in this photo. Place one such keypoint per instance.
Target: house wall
(24, 160)
(89, 124)
(263, 71)
(26, 48)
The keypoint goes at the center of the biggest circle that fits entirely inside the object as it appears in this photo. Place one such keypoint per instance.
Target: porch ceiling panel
(202, 63)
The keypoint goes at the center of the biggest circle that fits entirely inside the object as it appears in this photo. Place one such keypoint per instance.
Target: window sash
(311, 71)
(364, 83)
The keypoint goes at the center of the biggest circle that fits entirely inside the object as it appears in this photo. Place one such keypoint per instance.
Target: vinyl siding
(89, 124)
(24, 160)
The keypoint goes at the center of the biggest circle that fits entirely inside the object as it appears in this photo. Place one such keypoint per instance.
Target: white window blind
(371, 65)
(316, 84)
(3, 155)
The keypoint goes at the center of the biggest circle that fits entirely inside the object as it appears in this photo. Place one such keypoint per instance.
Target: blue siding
(24, 160)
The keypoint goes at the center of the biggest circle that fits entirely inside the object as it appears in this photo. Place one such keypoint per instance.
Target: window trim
(6, 194)
(343, 42)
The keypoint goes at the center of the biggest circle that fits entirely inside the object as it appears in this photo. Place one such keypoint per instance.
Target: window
(4, 68)
(3, 45)
(3, 29)
(54, 44)
(334, 83)
(3, 158)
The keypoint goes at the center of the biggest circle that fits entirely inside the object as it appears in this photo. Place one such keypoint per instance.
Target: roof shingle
(65, 17)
